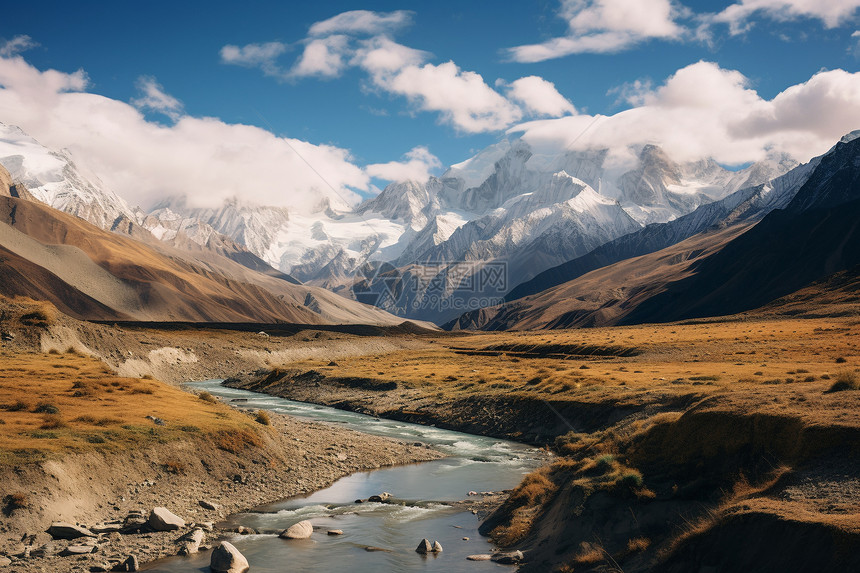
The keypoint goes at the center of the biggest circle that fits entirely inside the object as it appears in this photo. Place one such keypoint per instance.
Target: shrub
(263, 417)
(52, 422)
(17, 406)
(841, 360)
(96, 439)
(236, 442)
(46, 408)
(207, 397)
(14, 501)
(844, 381)
(631, 479)
(604, 463)
(174, 467)
(534, 488)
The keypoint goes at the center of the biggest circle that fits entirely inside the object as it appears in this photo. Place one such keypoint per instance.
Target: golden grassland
(769, 363)
(59, 403)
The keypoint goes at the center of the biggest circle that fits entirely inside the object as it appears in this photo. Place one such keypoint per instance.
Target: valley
(672, 441)
(597, 357)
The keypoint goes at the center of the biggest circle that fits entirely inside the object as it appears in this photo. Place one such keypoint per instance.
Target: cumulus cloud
(706, 111)
(831, 12)
(461, 97)
(540, 97)
(417, 165)
(16, 45)
(362, 22)
(263, 56)
(202, 158)
(323, 57)
(605, 26)
(153, 97)
(381, 55)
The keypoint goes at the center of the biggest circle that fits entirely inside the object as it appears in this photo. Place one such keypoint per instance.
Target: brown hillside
(93, 273)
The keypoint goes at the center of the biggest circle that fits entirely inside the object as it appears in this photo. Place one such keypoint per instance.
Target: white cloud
(263, 56)
(831, 12)
(540, 97)
(605, 26)
(154, 97)
(323, 57)
(16, 45)
(381, 55)
(362, 22)
(705, 111)
(461, 97)
(418, 165)
(203, 158)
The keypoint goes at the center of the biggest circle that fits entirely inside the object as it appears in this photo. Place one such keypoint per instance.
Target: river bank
(296, 457)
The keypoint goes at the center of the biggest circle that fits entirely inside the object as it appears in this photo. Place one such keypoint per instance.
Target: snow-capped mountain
(53, 178)
(507, 206)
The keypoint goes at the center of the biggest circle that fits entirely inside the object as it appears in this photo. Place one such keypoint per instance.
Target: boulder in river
(437, 547)
(508, 557)
(335, 531)
(162, 519)
(228, 559)
(424, 547)
(479, 557)
(300, 530)
(63, 530)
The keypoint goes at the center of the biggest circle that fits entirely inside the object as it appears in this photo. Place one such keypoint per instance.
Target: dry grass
(262, 417)
(774, 366)
(56, 403)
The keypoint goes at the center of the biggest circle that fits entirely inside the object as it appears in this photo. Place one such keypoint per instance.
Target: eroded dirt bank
(294, 457)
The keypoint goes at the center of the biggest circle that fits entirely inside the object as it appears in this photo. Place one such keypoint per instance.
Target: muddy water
(422, 505)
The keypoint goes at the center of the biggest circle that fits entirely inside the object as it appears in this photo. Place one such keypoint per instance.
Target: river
(422, 496)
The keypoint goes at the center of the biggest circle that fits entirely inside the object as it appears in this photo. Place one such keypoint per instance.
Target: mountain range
(730, 256)
(496, 241)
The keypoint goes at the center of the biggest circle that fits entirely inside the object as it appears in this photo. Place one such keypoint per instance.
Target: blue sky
(599, 59)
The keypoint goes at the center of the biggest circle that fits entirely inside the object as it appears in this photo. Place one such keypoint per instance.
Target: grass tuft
(844, 381)
(263, 418)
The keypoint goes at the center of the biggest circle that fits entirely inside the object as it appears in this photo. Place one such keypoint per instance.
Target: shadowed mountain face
(818, 234)
(732, 267)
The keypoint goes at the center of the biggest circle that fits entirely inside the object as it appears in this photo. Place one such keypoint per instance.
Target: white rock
(228, 559)
(300, 530)
(162, 519)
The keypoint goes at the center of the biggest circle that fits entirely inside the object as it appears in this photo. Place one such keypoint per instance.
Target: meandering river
(422, 502)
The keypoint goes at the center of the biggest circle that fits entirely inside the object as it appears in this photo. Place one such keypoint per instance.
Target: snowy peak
(53, 178)
(404, 201)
